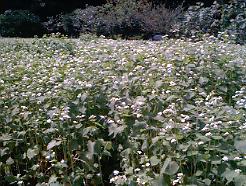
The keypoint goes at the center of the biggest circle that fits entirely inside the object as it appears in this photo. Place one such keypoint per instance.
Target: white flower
(226, 134)
(169, 65)
(200, 143)
(116, 172)
(225, 158)
(137, 169)
(180, 174)
(173, 140)
(112, 180)
(237, 158)
(20, 182)
(238, 171)
(138, 180)
(147, 164)
(139, 152)
(172, 83)
(49, 121)
(139, 115)
(48, 157)
(208, 134)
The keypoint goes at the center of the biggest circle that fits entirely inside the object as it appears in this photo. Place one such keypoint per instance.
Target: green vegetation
(131, 19)
(96, 111)
(20, 23)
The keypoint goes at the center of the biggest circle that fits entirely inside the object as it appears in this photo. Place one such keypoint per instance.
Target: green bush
(125, 18)
(19, 23)
(222, 20)
(74, 23)
(233, 21)
(198, 20)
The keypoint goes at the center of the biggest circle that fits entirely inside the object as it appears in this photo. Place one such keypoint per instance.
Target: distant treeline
(44, 8)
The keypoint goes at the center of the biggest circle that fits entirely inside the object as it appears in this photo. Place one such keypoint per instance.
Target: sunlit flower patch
(87, 112)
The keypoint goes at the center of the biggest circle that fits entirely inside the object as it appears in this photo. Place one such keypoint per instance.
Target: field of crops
(95, 111)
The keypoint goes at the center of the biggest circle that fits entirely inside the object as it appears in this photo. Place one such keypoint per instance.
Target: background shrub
(219, 20)
(21, 23)
(233, 21)
(125, 18)
(74, 23)
(199, 20)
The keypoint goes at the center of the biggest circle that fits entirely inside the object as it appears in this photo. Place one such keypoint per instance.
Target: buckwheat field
(96, 111)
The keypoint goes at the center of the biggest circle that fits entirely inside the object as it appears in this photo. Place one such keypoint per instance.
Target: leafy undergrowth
(97, 111)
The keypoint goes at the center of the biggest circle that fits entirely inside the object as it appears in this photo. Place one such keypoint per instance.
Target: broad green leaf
(53, 179)
(52, 144)
(91, 149)
(241, 146)
(154, 160)
(170, 167)
(144, 145)
(188, 107)
(158, 83)
(159, 181)
(9, 161)
(203, 80)
(115, 129)
(217, 137)
(31, 153)
(229, 175)
(207, 181)
(240, 180)
(199, 173)
(242, 163)
(129, 171)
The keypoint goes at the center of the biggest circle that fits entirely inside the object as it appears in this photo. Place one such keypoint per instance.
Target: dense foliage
(94, 111)
(126, 18)
(21, 23)
(217, 20)
(134, 19)
(44, 8)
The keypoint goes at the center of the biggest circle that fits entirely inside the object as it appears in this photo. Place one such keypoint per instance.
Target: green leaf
(115, 129)
(169, 167)
(242, 163)
(144, 145)
(91, 149)
(53, 143)
(129, 171)
(108, 145)
(159, 181)
(229, 175)
(158, 83)
(207, 181)
(241, 146)
(31, 153)
(198, 173)
(10, 179)
(154, 160)
(217, 137)
(165, 165)
(9, 161)
(203, 80)
(52, 179)
(188, 107)
(240, 180)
